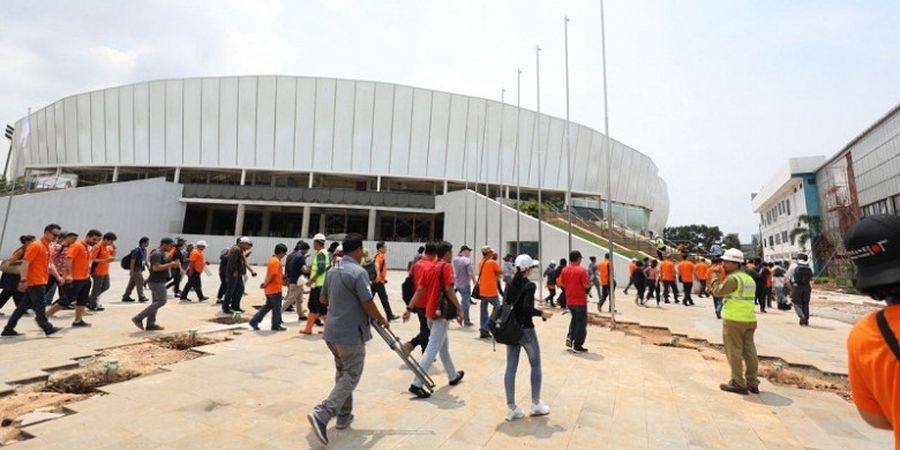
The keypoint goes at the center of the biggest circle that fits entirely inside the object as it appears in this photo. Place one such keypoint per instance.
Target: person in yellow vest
(738, 291)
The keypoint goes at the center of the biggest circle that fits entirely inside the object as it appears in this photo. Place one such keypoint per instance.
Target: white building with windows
(791, 193)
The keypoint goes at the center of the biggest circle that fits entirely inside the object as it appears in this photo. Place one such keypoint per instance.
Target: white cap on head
(319, 237)
(244, 240)
(733, 255)
(339, 249)
(201, 243)
(524, 262)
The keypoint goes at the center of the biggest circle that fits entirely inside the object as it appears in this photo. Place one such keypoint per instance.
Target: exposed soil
(775, 370)
(230, 320)
(110, 366)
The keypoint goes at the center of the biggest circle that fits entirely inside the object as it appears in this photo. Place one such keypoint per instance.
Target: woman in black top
(639, 278)
(520, 293)
(9, 281)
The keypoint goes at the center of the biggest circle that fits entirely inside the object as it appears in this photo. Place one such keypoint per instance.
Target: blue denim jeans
(465, 300)
(273, 304)
(485, 316)
(529, 342)
(438, 344)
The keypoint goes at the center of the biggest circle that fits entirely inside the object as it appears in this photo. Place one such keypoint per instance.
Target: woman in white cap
(520, 293)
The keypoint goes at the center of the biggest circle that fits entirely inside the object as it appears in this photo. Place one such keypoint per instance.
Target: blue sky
(718, 93)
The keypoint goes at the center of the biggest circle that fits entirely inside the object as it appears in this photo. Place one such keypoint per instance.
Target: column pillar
(310, 180)
(370, 234)
(239, 220)
(243, 176)
(445, 186)
(378, 184)
(266, 221)
(321, 223)
(177, 175)
(304, 223)
(207, 227)
(115, 174)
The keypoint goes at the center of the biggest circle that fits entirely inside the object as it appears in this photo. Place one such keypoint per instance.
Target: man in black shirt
(236, 269)
(159, 275)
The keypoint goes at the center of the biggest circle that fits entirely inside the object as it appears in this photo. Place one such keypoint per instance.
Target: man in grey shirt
(463, 276)
(595, 281)
(347, 292)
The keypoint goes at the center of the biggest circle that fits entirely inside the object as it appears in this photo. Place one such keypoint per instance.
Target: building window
(778, 239)
(897, 205)
(771, 241)
(784, 237)
(788, 206)
(879, 207)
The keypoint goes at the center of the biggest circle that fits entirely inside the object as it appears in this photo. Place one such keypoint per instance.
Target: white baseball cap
(319, 237)
(339, 249)
(244, 240)
(201, 244)
(524, 262)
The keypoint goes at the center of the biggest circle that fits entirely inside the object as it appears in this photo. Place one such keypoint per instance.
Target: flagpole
(518, 163)
(540, 202)
(23, 138)
(484, 165)
(466, 178)
(609, 220)
(568, 140)
(500, 246)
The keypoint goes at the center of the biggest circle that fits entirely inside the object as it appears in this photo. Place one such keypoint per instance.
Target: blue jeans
(578, 325)
(529, 342)
(485, 317)
(438, 343)
(465, 300)
(273, 304)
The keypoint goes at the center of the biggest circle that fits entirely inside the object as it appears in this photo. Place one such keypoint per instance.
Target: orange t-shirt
(631, 267)
(718, 268)
(686, 269)
(273, 269)
(873, 368)
(603, 270)
(667, 270)
(702, 271)
(198, 262)
(102, 251)
(38, 256)
(78, 253)
(751, 266)
(379, 261)
(487, 287)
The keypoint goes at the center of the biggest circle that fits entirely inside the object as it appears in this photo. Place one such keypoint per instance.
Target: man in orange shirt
(381, 279)
(272, 288)
(489, 272)
(631, 267)
(35, 272)
(78, 278)
(603, 269)
(667, 275)
(873, 352)
(196, 265)
(717, 273)
(686, 272)
(701, 270)
(101, 255)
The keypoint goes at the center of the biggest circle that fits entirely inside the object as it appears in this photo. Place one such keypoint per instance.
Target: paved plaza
(254, 390)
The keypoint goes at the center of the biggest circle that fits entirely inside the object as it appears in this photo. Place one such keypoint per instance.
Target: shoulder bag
(446, 308)
(476, 291)
(888, 334)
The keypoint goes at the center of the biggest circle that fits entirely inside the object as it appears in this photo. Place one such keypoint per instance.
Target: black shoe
(80, 324)
(203, 299)
(155, 328)
(459, 377)
(754, 390)
(580, 350)
(484, 335)
(10, 333)
(239, 310)
(254, 326)
(393, 318)
(279, 328)
(52, 331)
(319, 428)
(290, 309)
(568, 343)
(99, 308)
(184, 299)
(142, 300)
(302, 318)
(227, 311)
(733, 388)
(137, 322)
(419, 391)
(319, 323)
(218, 301)
(666, 301)
(127, 300)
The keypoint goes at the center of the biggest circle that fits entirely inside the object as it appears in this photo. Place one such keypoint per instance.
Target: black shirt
(158, 256)
(521, 291)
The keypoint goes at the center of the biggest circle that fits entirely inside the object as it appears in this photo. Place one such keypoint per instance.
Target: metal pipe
(609, 220)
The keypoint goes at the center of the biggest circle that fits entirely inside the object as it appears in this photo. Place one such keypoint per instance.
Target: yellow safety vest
(740, 305)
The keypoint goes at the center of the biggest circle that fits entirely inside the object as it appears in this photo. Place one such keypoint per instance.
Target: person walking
(660, 247)
(319, 265)
(177, 254)
(419, 272)
(550, 274)
(34, 266)
(603, 270)
(509, 268)
(520, 293)
(639, 278)
(236, 269)
(435, 293)
(686, 273)
(873, 354)
(738, 324)
(348, 296)
(57, 268)
(667, 275)
(489, 274)
(271, 287)
(575, 281)
(594, 277)
(381, 279)
(701, 274)
(12, 273)
(78, 278)
(717, 272)
(632, 266)
(294, 267)
(561, 300)
(800, 276)
(223, 273)
(136, 264)
(463, 278)
(779, 288)
(160, 272)
(652, 274)
(101, 255)
(196, 266)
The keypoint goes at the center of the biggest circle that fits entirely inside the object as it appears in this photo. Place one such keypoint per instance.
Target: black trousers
(10, 294)
(33, 300)
(670, 285)
(193, 283)
(379, 290)
(421, 339)
(175, 284)
(688, 287)
(604, 294)
(800, 298)
(652, 287)
(223, 285)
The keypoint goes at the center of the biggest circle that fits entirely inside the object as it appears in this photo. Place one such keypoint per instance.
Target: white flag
(26, 128)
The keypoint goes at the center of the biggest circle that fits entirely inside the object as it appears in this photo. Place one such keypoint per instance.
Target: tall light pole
(609, 219)
(500, 172)
(487, 183)
(466, 177)
(477, 174)
(568, 139)
(518, 163)
(540, 204)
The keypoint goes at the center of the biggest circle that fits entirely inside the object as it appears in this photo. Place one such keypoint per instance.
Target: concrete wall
(461, 228)
(129, 209)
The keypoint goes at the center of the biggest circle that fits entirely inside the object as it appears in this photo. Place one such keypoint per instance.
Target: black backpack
(802, 275)
(504, 325)
(370, 270)
(126, 262)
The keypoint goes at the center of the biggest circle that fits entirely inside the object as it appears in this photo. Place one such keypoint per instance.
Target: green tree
(694, 237)
(807, 231)
(531, 208)
(731, 240)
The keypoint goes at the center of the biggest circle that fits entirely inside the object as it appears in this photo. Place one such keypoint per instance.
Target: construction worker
(667, 275)
(873, 352)
(739, 323)
(660, 247)
(320, 262)
(717, 272)
(631, 267)
(686, 274)
(701, 272)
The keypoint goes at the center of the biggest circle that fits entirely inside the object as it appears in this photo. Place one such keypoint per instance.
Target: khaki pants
(740, 349)
(294, 297)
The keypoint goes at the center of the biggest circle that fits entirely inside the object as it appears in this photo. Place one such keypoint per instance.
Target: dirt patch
(775, 370)
(230, 320)
(110, 366)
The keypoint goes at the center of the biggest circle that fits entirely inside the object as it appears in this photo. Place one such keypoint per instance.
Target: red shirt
(573, 279)
(419, 271)
(439, 274)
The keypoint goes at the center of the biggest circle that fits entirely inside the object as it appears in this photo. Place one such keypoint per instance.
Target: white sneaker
(540, 409)
(514, 414)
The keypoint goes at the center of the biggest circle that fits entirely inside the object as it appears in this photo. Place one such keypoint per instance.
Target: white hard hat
(201, 244)
(733, 255)
(524, 262)
(319, 237)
